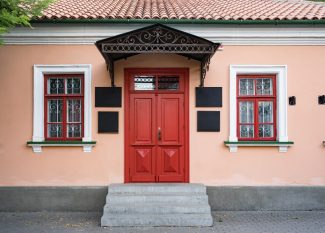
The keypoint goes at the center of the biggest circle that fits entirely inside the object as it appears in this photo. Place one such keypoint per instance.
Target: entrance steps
(157, 205)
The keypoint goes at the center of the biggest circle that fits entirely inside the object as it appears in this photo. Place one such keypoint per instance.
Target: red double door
(156, 126)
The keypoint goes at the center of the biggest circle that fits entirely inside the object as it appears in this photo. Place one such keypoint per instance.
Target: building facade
(256, 121)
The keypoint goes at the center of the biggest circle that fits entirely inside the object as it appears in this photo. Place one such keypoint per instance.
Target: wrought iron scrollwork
(156, 48)
(205, 63)
(157, 39)
(110, 68)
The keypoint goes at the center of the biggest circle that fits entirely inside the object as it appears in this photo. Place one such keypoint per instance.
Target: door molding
(128, 72)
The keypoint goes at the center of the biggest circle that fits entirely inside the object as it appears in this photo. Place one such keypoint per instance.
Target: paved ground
(227, 222)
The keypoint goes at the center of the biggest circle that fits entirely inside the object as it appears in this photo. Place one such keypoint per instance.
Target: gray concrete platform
(224, 222)
(151, 204)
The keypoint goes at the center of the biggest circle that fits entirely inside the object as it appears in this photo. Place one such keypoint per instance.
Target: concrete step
(157, 220)
(177, 198)
(157, 205)
(156, 208)
(143, 188)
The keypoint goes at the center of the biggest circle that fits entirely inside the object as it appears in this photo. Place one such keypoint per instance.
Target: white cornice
(228, 35)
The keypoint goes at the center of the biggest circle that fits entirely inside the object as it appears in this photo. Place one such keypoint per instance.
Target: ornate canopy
(155, 39)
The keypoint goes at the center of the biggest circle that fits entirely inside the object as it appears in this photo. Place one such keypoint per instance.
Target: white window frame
(38, 110)
(281, 83)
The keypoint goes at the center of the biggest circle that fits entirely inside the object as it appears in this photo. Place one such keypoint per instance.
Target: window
(71, 93)
(256, 104)
(274, 97)
(63, 101)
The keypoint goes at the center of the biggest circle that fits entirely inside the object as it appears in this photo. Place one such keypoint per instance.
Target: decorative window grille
(153, 83)
(256, 107)
(64, 97)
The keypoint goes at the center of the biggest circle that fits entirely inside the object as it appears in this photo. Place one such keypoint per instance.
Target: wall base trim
(277, 198)
(67, 198)
(221, 198)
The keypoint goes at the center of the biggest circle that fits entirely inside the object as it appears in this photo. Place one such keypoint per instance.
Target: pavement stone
(224, 222)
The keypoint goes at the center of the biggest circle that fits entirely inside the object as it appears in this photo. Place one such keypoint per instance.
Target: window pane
(73, 86)
(74, 110)
(55, 86)
(54, 110)
(246, 112)
(264, 86)
(265, 112)
(168, 83)
(247, 131)
(54, 130)
(265, 131)
(246, 86)
(74, 130)
(145, 83)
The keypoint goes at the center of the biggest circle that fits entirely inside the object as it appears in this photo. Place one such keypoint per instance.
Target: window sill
(283, 146)
(37, 146)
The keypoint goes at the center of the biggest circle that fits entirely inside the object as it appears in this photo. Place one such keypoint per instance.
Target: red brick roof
(186, 9)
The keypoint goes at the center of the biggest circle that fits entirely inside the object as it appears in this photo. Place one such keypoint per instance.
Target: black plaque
(107, 122)
(208, 96)
(108, 97)
(208, 121)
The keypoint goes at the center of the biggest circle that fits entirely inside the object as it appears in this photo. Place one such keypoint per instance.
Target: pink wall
(303, 164)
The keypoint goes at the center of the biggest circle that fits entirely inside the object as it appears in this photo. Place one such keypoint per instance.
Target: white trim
(38, 111)
(226, 34)
(37, 148)
(233, 148)
(87, 148)
(282, 147)
(281, 79)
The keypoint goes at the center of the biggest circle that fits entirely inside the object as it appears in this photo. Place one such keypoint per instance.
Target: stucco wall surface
(210, 161)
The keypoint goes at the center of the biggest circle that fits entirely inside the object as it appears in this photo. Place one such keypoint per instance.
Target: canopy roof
(155, 39)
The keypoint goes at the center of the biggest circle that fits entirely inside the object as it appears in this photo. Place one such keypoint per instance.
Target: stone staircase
(157, 205)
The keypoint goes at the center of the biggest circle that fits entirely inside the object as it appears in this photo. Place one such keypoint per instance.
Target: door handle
(159, 134)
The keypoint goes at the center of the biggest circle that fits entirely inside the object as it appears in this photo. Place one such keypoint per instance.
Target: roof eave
(180, 21)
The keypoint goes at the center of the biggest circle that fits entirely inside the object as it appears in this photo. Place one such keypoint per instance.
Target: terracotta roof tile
(186, 9)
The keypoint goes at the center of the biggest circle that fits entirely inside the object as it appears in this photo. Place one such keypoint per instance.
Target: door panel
(170, 158)
(170, 162)
(169, 118)
(142, 148)
(142, 164)
(142, 122)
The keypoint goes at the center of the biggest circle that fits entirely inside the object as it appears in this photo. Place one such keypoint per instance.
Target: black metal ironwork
(157, 38)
